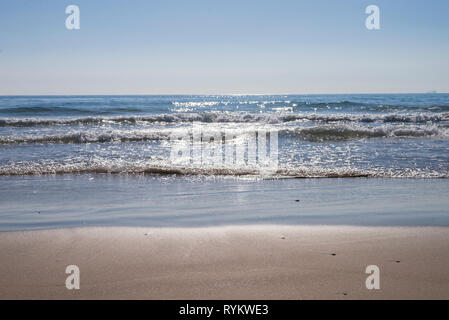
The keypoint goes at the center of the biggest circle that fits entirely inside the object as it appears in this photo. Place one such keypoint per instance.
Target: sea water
(77, 160)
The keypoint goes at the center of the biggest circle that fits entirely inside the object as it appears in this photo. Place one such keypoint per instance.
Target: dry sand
(239, 262)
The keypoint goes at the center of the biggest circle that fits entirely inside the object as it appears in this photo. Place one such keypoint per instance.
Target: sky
(223, 47)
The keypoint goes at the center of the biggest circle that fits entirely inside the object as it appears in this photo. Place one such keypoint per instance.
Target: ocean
(55, 148)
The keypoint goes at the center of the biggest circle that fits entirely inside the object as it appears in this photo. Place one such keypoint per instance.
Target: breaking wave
(223, 117)
(328, 132)
(151, 169)
(85, 137)
(348, 132)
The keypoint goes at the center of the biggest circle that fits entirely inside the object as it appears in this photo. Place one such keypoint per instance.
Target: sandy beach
(237, 262)
(224, 150)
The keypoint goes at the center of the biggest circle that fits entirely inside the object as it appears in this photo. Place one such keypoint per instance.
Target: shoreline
(99, 200)
(226, 262)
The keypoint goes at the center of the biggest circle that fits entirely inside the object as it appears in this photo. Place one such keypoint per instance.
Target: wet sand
(68, 201)
(236, 262)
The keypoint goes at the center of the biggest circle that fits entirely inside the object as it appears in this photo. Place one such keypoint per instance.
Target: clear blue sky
(215, 47)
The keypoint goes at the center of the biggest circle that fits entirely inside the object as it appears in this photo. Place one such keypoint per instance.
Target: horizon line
(215, 94)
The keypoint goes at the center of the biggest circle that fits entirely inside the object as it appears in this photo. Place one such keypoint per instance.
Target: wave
(44, 110)
(313, 134)
(301, 104)
(228, 117)
(347, 132)
(378, 118)
(432, 108)
(370, 106)
(85, 137)
(304, 172)
(66, 110)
